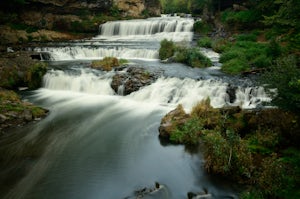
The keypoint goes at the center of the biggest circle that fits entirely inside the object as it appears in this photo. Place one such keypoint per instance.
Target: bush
(188, 133)
(35, 75)
(205, 42)
(167, 49)
(284, 75)
(241, 19)
(202, 28)
(192, 57)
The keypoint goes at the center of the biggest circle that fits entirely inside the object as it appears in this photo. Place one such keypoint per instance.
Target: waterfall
(157, 28)
(166, 91)
(149, 26)
(131, 39)
(96, 53)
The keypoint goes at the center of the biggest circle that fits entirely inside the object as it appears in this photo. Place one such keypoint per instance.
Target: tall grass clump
(167, 49)
(192, 57)
(205, 42)
(107, 63)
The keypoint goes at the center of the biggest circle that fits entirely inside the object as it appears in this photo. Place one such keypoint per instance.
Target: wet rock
(132, 80)
(3, 118)
(171, 121)
(204, 194)
(27, 115)
(231, 93)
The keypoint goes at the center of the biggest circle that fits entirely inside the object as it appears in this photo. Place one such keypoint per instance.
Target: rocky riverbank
(253, 147)
(19, 71)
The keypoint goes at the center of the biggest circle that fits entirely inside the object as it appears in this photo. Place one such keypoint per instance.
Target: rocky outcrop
(18, 69)
(132, 80)
(171, 121)
(14, 112)
(37, 20)
(137, 8)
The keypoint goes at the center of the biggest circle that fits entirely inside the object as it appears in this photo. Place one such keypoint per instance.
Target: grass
(108, 63)
(11, 102)
(244, 55)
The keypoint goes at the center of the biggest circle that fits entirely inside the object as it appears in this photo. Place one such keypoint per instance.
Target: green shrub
(263, 141)
(244, 19)
(167, 49)
(35, 75)
(210, 117)
(205, 42)
(227, 155)
(9, 78)
(285, 76)
(216, 153)
(202, 27)
(192, 57)
(188, 133)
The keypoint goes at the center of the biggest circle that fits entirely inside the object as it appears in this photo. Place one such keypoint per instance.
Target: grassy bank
(249, 147)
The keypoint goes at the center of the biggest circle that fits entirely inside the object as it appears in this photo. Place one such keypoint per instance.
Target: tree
(285, 21)
(284, 75)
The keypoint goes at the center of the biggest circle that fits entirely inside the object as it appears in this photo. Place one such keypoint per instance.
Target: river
(95, 144)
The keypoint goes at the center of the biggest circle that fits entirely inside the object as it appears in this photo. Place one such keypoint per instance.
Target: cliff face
(23, 22)
(137, 8)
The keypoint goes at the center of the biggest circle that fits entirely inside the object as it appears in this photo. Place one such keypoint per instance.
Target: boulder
(170, 121)
(132, 80)
(230, 90)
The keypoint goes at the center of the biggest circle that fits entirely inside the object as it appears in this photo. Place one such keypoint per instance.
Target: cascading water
(97, 144)
(133, 39)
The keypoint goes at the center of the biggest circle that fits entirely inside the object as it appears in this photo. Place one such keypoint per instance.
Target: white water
(166, 91)
(132, 39)
(96, 53)
(172, 28)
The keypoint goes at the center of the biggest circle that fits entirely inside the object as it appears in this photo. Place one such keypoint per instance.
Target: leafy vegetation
(252, 148)
(201, 27)
(244, 54)
(35, 75)
(187, 55)
(167, 49)
(284, 75)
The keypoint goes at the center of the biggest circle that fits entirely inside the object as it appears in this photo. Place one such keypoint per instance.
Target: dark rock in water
(231, 93)
(143, 192)
(132, 80)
